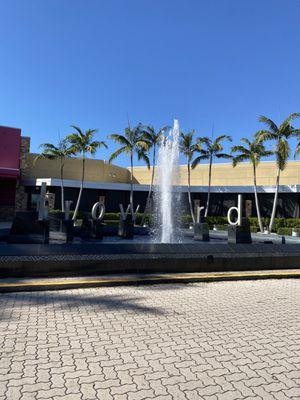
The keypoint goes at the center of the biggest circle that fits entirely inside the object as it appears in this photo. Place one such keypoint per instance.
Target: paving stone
(209, 341)
(13, 393)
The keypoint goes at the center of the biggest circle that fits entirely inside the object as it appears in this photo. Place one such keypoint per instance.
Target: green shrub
(253, 221)
(186, 219)
(292, 222)
(139, 217)
(112, 216)
(111, 222)
(216, 221)
(284, 231)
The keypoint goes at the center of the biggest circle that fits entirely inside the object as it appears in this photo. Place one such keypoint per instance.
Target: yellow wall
(226, 175)
(222, 174)
(95, 170)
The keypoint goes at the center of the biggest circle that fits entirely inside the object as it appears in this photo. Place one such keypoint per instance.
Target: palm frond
(271, 124)
(282, 153)
(239, 158)
(246, 141)
(187, 145)
(164, 129)
(145, 145)
(296, 132)
(223, 137)
(116, 153)
(224, 155)
(143, 156)
(73, 138)
(152, 136)
(203, 152)
(297, 150)
(240, 149)
(204, 140)
(197, 160)
(98, 143)
(48, 146)
(266, 153)
(264, 135)
(120, 139)
(289, 119)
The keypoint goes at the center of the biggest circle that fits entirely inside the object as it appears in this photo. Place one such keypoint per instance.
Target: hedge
(279, 224)
(284, 231)
(287, 231)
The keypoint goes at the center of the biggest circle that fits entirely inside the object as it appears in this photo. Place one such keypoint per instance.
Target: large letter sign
(198, 215)
(124, 214)
(98, 207)
(239, 211)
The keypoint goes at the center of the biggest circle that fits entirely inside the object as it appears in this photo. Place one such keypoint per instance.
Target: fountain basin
(90, 259)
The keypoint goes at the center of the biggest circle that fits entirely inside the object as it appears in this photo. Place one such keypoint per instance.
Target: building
(13, 159)
(21, 177)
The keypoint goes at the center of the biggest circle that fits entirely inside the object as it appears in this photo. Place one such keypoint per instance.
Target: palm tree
(212, 149)
(83, 143)
(59, 152)
(133, 141)
(281, 135)
(252, 151)
(152, 137)
(187, 147)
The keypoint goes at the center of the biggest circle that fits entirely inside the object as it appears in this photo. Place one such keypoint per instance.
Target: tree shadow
(156, 286)
(69, 300)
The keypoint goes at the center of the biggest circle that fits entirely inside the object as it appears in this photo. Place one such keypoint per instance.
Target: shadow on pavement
(17, 305)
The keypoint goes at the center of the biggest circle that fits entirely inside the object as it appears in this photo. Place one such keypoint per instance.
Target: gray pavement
(212, 341)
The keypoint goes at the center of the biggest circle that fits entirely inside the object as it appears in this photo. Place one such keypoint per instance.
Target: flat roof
(54, 182)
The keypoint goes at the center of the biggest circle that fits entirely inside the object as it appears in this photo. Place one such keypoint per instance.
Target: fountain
(167, 204)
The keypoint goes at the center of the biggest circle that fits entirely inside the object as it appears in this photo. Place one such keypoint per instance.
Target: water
(167, 201)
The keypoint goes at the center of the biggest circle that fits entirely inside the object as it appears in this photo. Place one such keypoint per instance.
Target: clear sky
(92, 62)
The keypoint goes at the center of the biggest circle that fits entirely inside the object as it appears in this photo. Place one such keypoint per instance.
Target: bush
(111, 222)
(216, 220)
(139, 217)
(253, 222)
(292, 222)
(284, 231)
(112, 216)
(186, 220)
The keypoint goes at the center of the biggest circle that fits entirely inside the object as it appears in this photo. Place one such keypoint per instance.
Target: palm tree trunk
(275, 201)
(208, 190)
(256, 200)
(150, 188)
(189, 192)
(80, 190)
(62, 185)
(131, 180)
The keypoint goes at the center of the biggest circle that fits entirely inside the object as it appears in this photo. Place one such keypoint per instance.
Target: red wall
(10, 141)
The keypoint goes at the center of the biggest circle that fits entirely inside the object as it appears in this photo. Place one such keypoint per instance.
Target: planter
(296, 233)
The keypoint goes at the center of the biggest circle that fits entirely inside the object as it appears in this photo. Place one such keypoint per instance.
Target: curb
(40, 284)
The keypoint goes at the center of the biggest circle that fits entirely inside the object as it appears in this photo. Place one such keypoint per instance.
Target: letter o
(98, 207)
(229, 216)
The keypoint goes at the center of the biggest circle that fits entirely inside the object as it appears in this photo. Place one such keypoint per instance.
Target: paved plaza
(212, 341)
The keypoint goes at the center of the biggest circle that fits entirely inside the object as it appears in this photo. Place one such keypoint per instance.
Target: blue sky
(92, 62)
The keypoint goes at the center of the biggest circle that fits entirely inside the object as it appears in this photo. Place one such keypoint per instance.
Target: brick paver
(211, 341)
